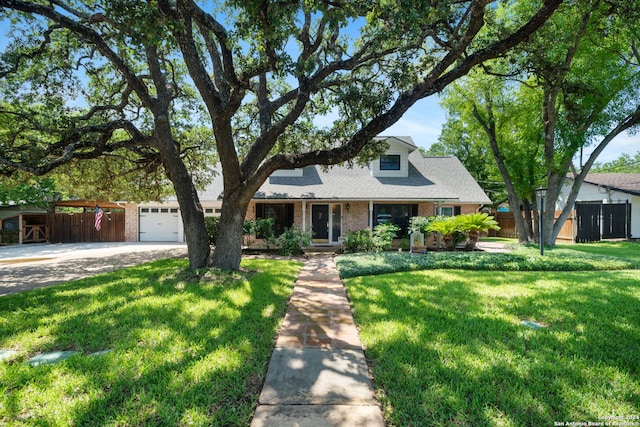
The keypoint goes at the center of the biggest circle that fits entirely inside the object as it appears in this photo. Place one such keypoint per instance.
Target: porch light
(541, 192)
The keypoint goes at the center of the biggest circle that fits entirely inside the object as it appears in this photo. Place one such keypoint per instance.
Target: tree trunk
(195, 231)
(228, 251)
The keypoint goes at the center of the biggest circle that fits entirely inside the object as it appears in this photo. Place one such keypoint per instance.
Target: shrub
(292, 241)
(9, 236)
(421, 224)
(477, 223)
(358, 241)
(367, 241)
(213, 224)
(261, 227)
(451, 229)
(383, 235)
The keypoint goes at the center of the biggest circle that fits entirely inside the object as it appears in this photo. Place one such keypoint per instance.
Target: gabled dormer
(394, 163)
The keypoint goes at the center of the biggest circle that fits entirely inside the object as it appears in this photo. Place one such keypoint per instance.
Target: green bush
(358, 241)
(367, 241)
(262, 228)
(383, 235)
(212, 223)
(421, 224)
(451, 230)
(292, 241)
(9, 236)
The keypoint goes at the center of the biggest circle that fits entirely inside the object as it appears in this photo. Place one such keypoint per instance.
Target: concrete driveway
(31, 266)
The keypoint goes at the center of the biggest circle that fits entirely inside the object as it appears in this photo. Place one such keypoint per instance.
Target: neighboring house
(607, 206)
(330, 202)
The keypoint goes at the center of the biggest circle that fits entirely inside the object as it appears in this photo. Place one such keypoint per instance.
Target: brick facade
(131, 222)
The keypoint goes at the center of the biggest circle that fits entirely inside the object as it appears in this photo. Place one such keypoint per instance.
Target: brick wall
(131, 222)
(356, 217)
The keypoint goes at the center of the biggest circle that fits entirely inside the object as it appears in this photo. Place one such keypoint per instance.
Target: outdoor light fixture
(541, 192)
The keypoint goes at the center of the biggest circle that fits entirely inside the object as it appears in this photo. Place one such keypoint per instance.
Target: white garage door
(159, 224)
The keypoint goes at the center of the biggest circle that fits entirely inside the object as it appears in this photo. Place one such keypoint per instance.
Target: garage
(159, 224)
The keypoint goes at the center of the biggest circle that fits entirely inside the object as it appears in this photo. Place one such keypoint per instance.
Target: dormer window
(390, 162)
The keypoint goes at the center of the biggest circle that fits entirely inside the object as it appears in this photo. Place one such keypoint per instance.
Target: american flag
(99, 214)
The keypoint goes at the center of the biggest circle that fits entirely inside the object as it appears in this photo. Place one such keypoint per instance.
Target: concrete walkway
(318, 374)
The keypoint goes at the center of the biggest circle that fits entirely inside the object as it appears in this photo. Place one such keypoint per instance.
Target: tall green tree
(24, 190)
(585, 84)
(623, 164)
(458, 138)
(84, 78)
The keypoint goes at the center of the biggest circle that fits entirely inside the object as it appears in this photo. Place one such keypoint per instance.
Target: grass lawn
(447, 347)
(185, 349)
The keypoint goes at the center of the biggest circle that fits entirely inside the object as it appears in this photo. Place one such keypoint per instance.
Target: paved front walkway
(318, 374)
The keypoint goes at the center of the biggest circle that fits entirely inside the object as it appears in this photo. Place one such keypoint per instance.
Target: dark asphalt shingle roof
(430, 178)
(626, 182)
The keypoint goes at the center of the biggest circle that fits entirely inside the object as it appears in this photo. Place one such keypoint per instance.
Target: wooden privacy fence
(79, 227)
(508, 226)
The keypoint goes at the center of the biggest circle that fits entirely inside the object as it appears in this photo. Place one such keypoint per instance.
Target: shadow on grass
(184, 352)
(448, 347)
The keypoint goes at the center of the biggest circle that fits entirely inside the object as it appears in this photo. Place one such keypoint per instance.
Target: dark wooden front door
(320, 222)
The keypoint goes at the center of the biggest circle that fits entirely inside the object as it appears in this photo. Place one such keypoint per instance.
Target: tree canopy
(545, 102)
(83, 79)
(623, 164)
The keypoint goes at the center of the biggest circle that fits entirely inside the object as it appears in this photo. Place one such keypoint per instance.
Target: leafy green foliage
(522, 259)
(478, 222)
(9, 236)
(213, 224)
(623, 164)
(450, 228)
(358, 241)
(261, 228)
(380, 239)
(293, 241)
(36, 192)
(420, 223)
(189, 347)
(572, 85)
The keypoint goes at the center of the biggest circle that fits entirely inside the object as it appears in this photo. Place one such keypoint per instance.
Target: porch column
(20, 229)
(304, 215)
(371, 214)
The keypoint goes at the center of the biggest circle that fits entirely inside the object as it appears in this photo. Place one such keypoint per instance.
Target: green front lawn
(624, 250)
(447, 347)
(185, 349)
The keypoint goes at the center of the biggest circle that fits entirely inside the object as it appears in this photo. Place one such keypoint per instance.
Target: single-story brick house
(399, 185)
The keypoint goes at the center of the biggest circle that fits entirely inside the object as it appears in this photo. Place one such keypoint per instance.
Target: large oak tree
(85, 78)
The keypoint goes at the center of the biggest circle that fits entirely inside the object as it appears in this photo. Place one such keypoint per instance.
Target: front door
(320, 223)
(326, 223)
